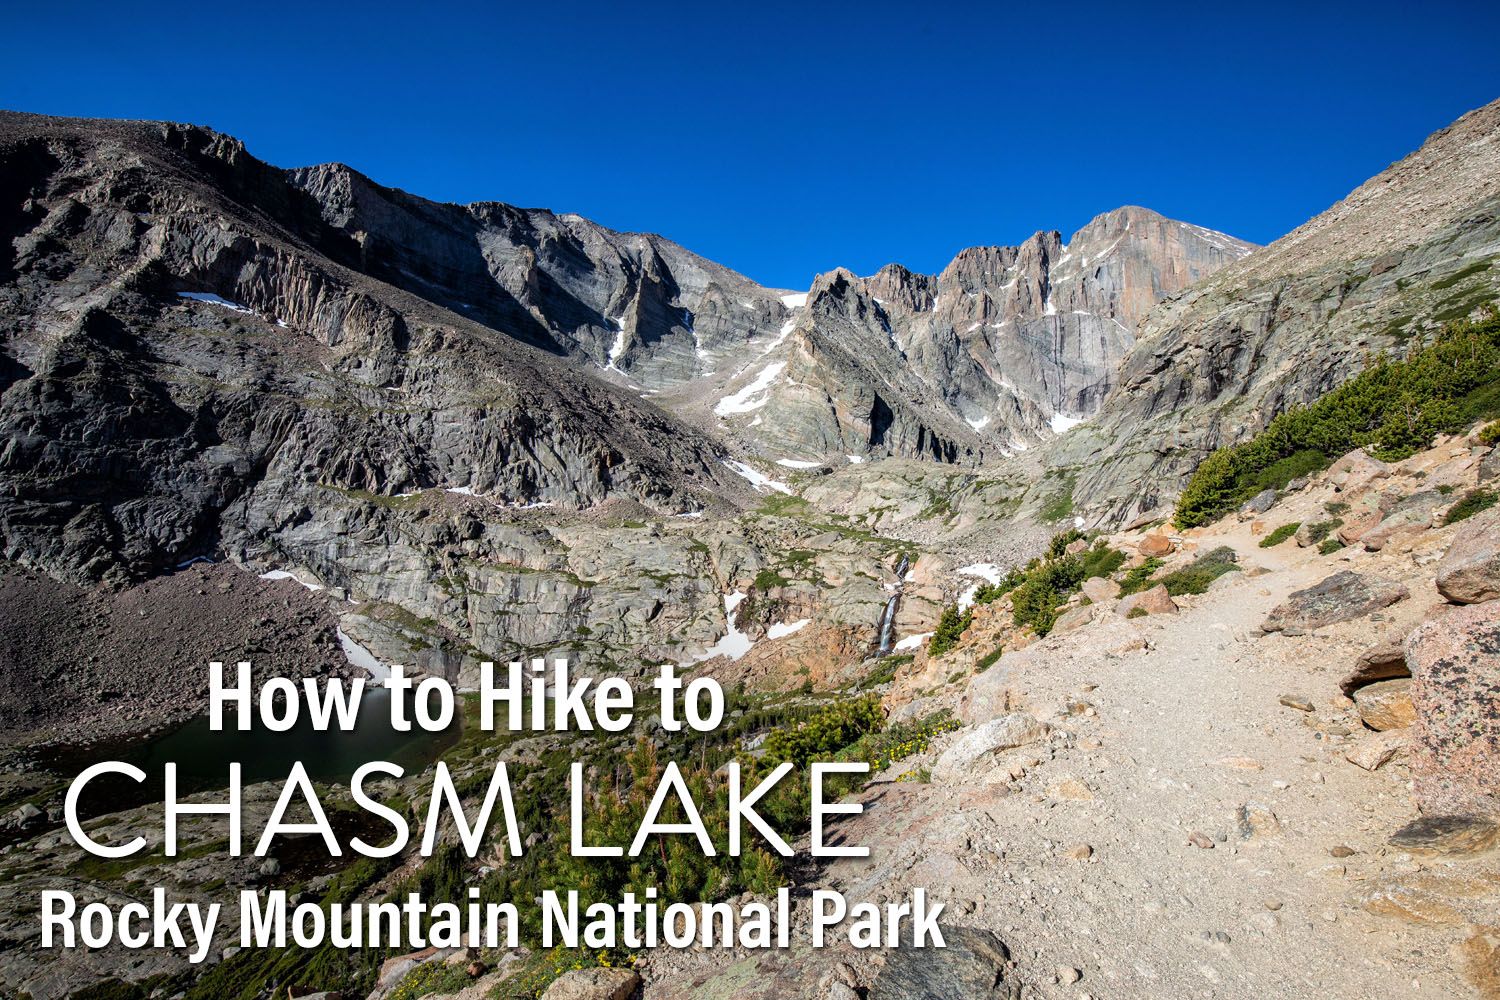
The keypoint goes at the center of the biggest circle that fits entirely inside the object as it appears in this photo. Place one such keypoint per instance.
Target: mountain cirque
(443, 410)
(490, 430)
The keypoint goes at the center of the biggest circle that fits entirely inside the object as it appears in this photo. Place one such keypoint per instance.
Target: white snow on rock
(966, 599)
(758, 479)
(855, 459)
(781, 629)
(979, 424)
(215, 300)
(752, 396)
(1062, 424)
(359, 656)
(735, 643)
(794, 301)
(797, 463)
(617, 349)
(913, 641)
(281, 574)
(988, 572)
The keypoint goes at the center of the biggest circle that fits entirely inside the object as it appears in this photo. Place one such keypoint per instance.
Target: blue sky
(787, 139)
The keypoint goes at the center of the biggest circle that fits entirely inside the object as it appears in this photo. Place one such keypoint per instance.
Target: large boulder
(594, 984)
(1356, 470)
(1455, 690)
(1258, 504)
(1155, 601)
(1100, 589)
(974, 750)
(1470, 570)
(1359, 523)
(1410, 516)
(973, 965)
(1342, 597)
(1073, 618)
(1156, 546)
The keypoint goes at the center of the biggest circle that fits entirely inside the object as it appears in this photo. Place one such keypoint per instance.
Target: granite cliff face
(1005, 347)
(1408, 249)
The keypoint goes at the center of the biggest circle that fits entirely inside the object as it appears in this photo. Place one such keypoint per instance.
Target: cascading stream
(888, 617)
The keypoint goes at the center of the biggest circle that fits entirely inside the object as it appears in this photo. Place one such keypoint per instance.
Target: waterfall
(888, 617)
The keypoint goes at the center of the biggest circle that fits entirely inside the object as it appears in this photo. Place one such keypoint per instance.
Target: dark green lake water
(203, 756)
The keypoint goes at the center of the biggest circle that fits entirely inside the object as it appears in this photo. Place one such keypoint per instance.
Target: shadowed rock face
(143, 427)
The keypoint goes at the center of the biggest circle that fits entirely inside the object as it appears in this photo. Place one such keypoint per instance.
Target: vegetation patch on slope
(1393, 409)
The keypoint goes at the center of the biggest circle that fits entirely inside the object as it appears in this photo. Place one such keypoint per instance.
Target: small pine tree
(950, 629)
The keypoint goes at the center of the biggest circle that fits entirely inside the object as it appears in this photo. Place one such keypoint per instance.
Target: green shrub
(1058, 547)
(1330, 546)
(1280, 535)
(990, 659)
(1477, 267)
(1471, 503)
(768, 579)
(950, 629)
(1490, 434)
(884, 671)
(1139, 578)
(834, 727)
(1036, 601)
(1057, 508)
(1393, 408)
(1101, 560)
(1195, 577)
(1137, 613)
(1319, 530)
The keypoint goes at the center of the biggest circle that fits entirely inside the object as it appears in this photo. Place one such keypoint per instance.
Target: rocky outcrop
(594, 984)
(1342, 597)
(1470, 570)
(1455, 689)
(1153, 601)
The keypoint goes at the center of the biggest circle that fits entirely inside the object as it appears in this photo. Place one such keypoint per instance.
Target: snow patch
(979, 424)
(215, 300)
(1062, 424)
(758, 479)
(281, 574)
(855, 459)
(794, 463)
(735, 643)
(988, 572)
(913, 641)
(780, 630)
(359, 656)
(794, 301)
(617, 349)
(753, 396)
(966, 599)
